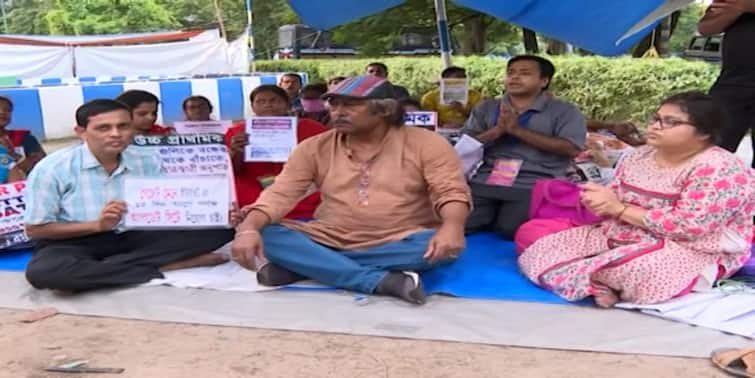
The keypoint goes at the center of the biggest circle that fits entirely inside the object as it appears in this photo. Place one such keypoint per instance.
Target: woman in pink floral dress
(678, 216)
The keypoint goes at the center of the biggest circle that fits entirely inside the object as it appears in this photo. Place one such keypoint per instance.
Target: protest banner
(271, 139)
(12, 206)
(176, 203)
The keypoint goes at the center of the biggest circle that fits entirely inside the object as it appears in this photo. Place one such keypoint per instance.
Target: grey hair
(391, 108)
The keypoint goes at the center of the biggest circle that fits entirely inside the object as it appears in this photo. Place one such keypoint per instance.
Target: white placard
(203, 127)
(428, 120)
(454, 90)
(12, 206)
(190, 154)
(176, 203)
(471, 152)
(271, 139)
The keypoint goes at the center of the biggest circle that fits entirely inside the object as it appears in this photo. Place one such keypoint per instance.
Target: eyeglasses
(667, 122)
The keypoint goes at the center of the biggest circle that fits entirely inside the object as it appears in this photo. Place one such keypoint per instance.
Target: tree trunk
(530, 41)
(662, 41)
(474, 30)
(219, 15)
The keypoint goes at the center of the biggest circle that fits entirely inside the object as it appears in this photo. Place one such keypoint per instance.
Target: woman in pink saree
(677, 217)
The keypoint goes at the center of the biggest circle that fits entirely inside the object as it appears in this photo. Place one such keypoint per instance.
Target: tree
(196, 14)
(673, 33)
(269, 15)
(530, 41)
(686, 27)
(480, 32)
(28, 16)
(75, 17)
(374, 35)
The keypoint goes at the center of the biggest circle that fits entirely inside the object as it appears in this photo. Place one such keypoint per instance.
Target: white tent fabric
(35, 61)
(184, 58)
(203, 53)
(238, 52)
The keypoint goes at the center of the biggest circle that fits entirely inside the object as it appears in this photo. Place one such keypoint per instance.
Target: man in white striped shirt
(74, 206)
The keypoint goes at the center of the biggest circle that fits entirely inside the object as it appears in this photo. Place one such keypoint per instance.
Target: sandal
(738, 362)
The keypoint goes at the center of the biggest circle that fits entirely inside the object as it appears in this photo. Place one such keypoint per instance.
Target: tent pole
(445, 40)
(250, 36)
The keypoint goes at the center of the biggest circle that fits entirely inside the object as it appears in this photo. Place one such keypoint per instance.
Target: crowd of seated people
(365, 203)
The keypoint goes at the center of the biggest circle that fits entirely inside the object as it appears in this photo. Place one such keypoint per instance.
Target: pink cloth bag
(555, 207)
(556, 198)
(533, 230)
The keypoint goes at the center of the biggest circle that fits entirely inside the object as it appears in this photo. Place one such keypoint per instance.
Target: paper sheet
(470, 151)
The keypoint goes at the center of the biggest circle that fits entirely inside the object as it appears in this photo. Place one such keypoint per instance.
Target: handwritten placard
(428, 120)
(12, 206)
(454, 90)
(189, 155)
(176, 203)
(271, 139)
(204, 127)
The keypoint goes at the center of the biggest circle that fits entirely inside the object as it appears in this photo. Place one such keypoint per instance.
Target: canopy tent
(605, 27)
(195, 52)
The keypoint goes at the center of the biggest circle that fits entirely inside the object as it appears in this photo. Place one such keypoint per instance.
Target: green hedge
(604, 88)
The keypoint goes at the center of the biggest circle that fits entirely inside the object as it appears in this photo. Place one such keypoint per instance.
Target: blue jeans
(360, 271)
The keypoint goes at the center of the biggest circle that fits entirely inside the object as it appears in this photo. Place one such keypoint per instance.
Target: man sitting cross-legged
(394, 201)
(74, 206)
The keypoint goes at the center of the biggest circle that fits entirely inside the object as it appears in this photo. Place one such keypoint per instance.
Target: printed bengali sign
(190, 154)
(428, 120)
(271, 139)
(12, 206)
(177, 203)
(203, 127)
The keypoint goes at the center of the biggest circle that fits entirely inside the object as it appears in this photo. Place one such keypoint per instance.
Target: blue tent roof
(607, 27)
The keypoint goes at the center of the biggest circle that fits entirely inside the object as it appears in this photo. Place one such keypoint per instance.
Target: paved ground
(148, 349)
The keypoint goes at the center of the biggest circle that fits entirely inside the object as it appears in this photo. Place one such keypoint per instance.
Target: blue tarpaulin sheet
(594, 25)
(486, 270)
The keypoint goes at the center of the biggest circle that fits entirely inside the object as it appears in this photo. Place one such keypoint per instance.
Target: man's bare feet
(605, 297)
(208, 259)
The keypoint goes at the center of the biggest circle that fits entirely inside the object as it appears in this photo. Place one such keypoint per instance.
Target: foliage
(269, 15)
(201, 14)
(28, 16)
(686, 27)
(603, 88)
(75, 17)
(377, 34)
(130, 16)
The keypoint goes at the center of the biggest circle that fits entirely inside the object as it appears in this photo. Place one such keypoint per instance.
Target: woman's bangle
(239, 233)
(622, 211)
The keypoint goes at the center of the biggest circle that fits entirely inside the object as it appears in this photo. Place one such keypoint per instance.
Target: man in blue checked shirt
(74, 207)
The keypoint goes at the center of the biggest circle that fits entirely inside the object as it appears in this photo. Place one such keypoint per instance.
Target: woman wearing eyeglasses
(677, 217)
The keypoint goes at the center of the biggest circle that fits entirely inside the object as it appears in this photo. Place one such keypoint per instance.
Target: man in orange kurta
(394, 202)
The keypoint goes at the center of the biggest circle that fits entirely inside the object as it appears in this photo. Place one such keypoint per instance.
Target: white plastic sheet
(26, 62)
(194, 57)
